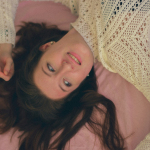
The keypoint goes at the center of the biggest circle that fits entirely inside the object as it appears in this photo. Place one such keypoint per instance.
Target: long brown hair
(48, 124)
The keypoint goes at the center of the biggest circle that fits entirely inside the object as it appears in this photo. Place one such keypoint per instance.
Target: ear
(45, 46)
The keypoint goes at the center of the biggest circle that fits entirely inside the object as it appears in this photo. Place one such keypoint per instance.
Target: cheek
(80, 76)
(53, 56)
(87, 68)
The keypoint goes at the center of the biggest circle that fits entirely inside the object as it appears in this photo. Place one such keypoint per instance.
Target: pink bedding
(133, 109)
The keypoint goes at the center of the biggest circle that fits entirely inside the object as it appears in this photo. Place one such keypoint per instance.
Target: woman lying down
(52, 90)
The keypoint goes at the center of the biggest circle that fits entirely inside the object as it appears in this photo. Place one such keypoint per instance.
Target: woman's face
(63, 66)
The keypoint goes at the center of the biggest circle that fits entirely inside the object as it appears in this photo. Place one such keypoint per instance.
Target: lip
(77, 56)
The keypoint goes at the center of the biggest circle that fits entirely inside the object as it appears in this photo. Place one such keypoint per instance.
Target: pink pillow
(47, 12)
(133, 109)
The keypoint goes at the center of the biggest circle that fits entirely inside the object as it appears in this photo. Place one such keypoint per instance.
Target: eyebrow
(50, 76)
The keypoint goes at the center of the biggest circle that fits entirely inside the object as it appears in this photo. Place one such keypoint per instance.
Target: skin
(56, 69)
(6, 61)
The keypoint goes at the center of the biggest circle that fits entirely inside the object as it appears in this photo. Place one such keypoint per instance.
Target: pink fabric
(133, 110)
(48, 12)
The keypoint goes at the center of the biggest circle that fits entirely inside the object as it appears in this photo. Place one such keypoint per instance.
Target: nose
(66, 64)
(65, 67)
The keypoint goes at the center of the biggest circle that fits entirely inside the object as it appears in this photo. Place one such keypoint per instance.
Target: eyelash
(67, 83)
(50, 68)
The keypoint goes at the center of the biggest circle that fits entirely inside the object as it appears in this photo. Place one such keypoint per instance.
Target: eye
(50, 68)
(67, 83)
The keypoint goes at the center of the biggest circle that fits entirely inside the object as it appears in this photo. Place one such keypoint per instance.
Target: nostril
(68, 64)
(65, 62)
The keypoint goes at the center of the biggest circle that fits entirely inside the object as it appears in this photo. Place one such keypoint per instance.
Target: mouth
(74, 58)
